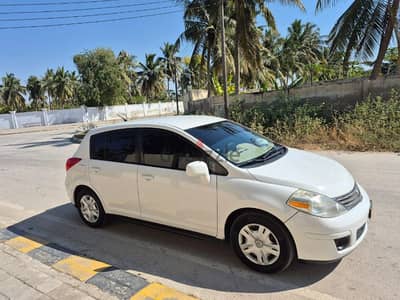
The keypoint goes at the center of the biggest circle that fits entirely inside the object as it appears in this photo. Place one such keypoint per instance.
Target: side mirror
(198, 169)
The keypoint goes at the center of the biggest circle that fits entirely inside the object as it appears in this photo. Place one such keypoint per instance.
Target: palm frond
(321, 4)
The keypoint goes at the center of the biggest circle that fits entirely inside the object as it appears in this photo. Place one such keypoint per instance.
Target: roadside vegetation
(371, 125)
(259, 58)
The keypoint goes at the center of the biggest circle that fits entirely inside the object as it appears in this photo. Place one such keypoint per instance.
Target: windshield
(232, 141)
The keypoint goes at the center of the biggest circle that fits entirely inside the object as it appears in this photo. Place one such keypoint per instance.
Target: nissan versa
(216, 177)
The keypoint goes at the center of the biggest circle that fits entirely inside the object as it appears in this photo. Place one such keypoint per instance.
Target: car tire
(90, 208)
(262, 242)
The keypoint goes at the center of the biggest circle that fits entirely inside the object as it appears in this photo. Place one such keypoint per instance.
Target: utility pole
(226, 103)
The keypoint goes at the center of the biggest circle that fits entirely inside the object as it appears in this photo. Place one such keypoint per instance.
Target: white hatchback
(216, 177)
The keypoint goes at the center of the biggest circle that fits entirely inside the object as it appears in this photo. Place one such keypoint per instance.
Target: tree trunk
(237, 54)
(168, 89)
(393, 8)
(287, 84)
(346, 62)
(397, 31)
(209, 71)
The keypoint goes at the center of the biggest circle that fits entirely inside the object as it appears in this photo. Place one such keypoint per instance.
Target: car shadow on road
(177, 255)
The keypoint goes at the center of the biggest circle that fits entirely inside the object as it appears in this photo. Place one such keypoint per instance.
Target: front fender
(239, 193)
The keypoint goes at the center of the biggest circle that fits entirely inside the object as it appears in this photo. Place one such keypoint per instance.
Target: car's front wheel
(262, 243)
(90, 209)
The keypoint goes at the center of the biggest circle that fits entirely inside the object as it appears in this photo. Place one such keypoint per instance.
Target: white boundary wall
(86, 114)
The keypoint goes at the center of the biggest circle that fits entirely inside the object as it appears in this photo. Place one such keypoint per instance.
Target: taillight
(71, 162)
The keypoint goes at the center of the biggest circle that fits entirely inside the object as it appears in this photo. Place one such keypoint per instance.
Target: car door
(113, 170)
(167, 195)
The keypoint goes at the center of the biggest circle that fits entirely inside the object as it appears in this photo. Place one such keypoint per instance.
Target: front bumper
(329, 239)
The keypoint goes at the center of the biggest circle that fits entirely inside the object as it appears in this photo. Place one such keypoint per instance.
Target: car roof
(181, 122)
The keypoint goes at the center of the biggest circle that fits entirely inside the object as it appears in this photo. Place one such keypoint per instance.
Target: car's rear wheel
(90, 208)
(262, 242)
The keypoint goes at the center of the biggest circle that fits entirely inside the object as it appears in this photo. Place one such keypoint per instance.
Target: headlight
(315, 204)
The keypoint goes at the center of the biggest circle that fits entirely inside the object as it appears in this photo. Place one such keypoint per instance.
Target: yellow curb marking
(85, 268)
(80, 267)
(23, 244)
(157, 291)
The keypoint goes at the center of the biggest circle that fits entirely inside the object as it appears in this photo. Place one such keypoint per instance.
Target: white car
(216, 177)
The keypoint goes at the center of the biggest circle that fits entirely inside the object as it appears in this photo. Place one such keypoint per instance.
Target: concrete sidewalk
(32, 270)
(22, 277)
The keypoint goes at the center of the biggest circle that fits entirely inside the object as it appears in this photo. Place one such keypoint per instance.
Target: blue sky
(26, 52)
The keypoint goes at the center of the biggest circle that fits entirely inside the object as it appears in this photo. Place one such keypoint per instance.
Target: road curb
(108, 278)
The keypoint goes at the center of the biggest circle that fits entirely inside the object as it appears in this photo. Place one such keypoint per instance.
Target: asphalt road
(32, 198)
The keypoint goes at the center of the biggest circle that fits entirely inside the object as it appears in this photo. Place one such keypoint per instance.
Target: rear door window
(97, 146)
(117, 146)
(158, 148)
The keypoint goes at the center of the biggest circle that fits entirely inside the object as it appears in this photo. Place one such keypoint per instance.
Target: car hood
(308, 171)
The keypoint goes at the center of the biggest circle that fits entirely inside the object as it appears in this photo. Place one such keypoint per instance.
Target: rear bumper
(329, 239)
(69, 188)
(76, 176)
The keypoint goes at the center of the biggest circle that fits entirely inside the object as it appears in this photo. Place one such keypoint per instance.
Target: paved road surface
(32, 198)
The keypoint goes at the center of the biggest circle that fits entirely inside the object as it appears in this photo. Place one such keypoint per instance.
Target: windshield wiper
(276, 151)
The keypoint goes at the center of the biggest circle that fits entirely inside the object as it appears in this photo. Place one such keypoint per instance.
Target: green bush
(4, 109)
(299, 129)
(373, 124)
(136, 100)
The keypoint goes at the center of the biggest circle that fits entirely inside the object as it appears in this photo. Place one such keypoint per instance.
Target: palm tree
(75, 85)
(12, 92)
(36, 91)
(63, 87)
(169, 52)
(362, 28)
(128, 64)
(328, 66)
(187, 75)
(172, 65)
(201, 21)
(303, 46)
(151, 76)
(247, 36)
(293, 57)
(193, 70)
(48, 85)
(272, 47)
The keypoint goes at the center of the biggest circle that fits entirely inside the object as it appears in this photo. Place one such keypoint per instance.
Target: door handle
(96, 169)
(148, 177)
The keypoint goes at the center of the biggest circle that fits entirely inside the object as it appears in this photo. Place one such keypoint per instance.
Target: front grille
(350, 199)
